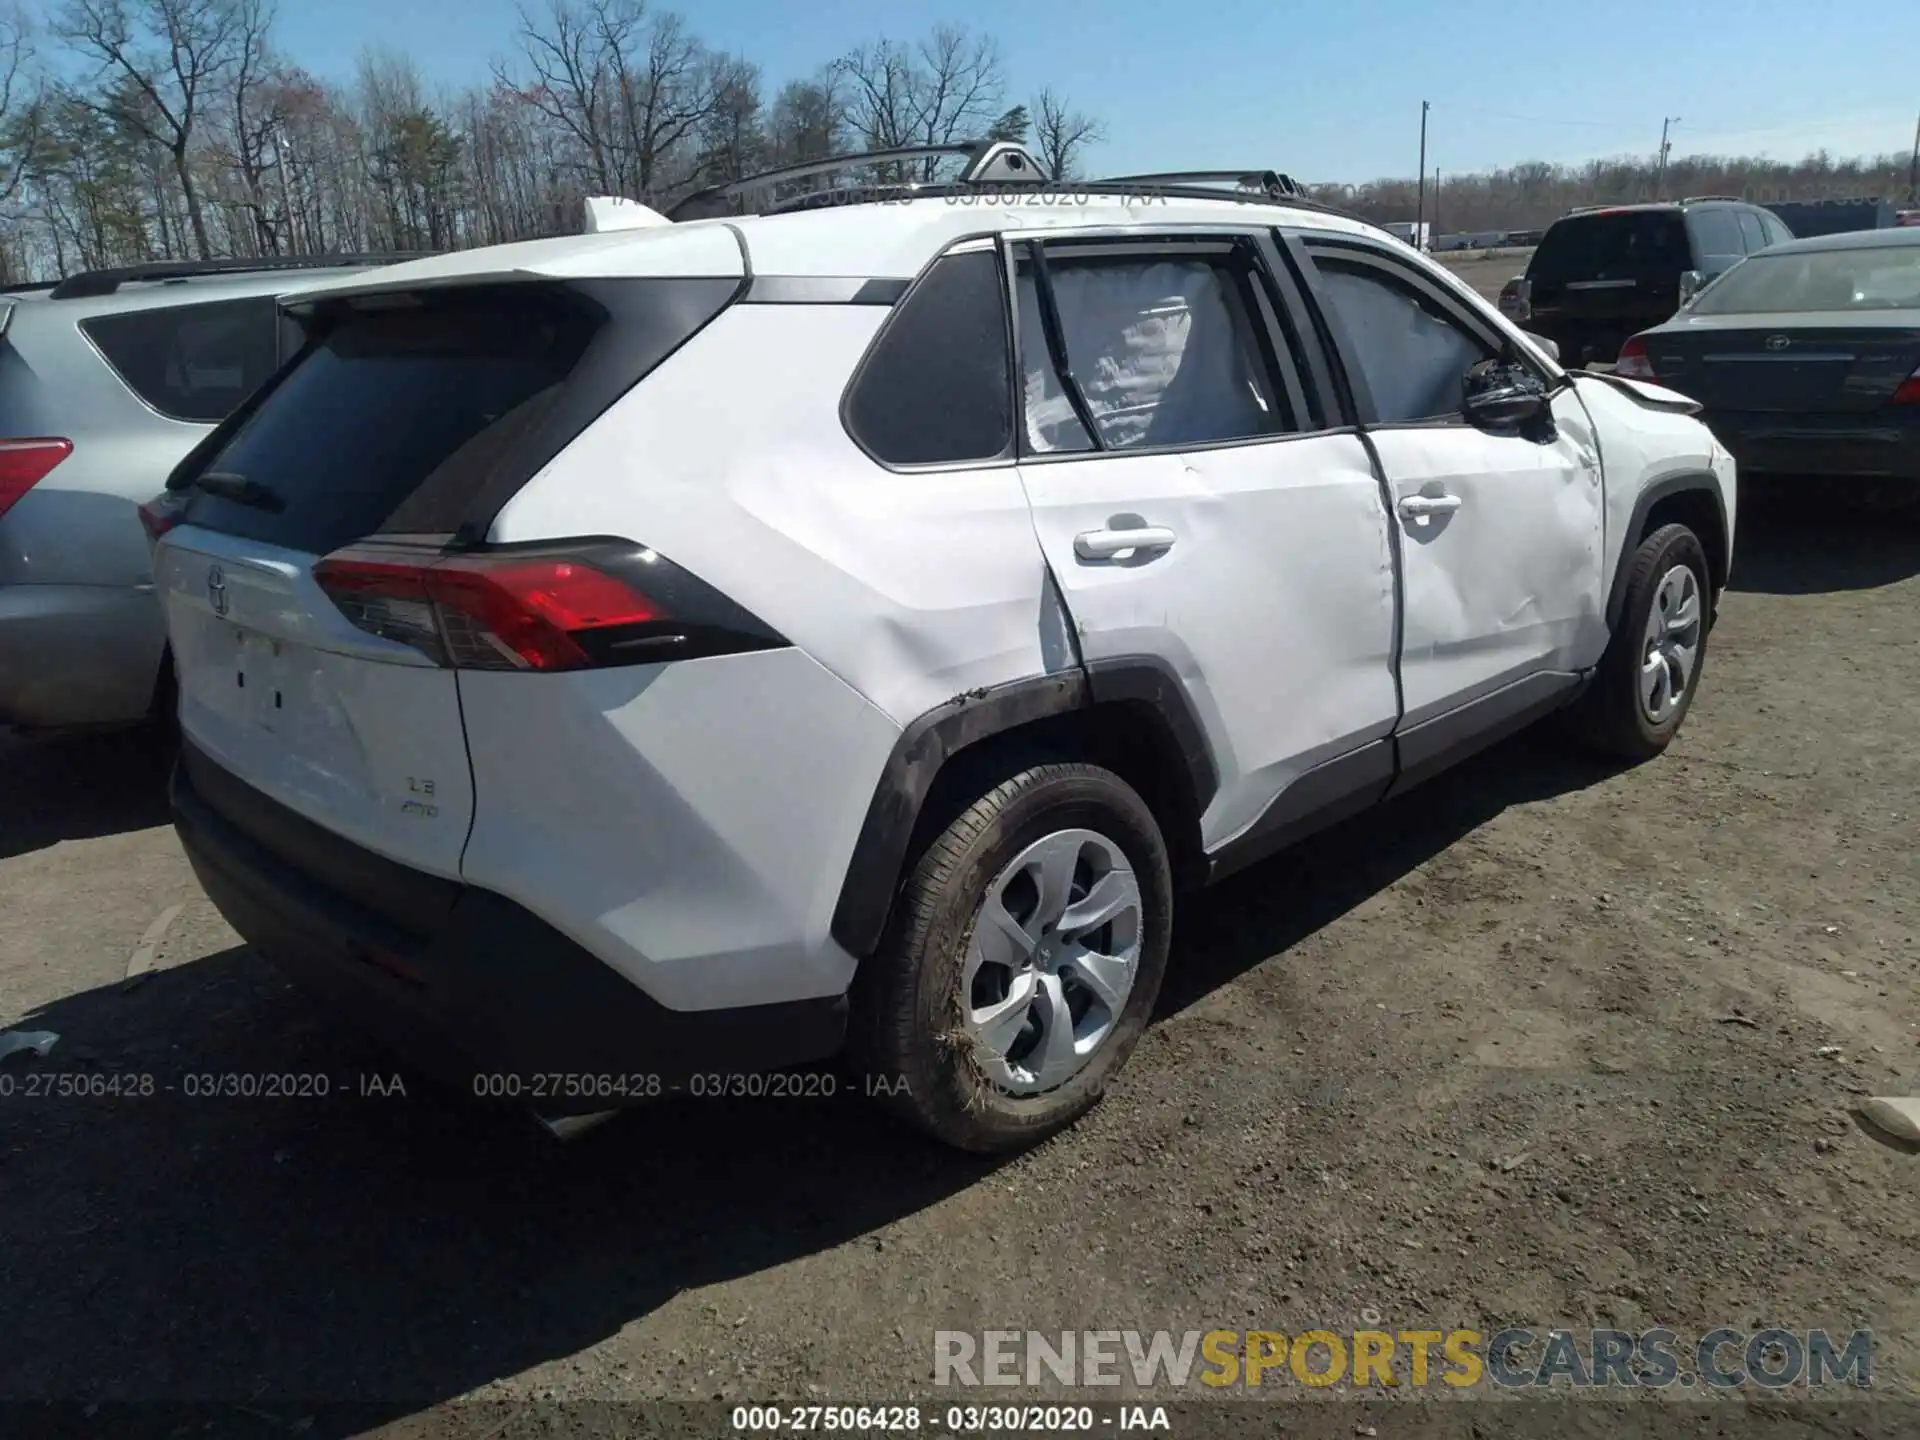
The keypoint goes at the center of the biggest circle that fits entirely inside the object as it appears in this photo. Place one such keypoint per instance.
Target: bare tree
(946, 88)
(171, 53)
(1062, 133)
(22, 103)
(573, 52)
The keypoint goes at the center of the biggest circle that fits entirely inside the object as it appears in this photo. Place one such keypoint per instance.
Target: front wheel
(1646, 680)
(1022, 963)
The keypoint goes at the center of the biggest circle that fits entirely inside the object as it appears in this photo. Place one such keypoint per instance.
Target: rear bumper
(74, 655)
(463, 983)
(1864, 446)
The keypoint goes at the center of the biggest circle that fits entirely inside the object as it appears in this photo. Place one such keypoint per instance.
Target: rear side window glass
(1718, 234)
(393, 419)
(1777, 230)
(1164, 352)
(192, 362)
(1413, 354)
(1625, 243)
(937, 388)
(1752, 234)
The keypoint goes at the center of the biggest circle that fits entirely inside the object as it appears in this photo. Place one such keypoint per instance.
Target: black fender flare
(929, 742)
(1702, 481)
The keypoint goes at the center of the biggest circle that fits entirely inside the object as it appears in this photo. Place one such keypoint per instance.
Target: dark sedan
(1806, 356)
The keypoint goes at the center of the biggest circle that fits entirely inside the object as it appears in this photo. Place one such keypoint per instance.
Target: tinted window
(937, 387)
(192, 362)
(1412, 353)
(1777, 230)
(1777, 284)
(1612, 245)
(1752, 234)
(393, 419)
(1165, 351)
(1717, 235)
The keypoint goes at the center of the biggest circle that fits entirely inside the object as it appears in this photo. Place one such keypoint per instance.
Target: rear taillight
(1909, 391)
(160, 515)
(564, 608)
(25, 463)
(1633, 362)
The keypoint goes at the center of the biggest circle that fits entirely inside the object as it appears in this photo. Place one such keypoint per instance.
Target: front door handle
(1422, 508)
(1105, 544)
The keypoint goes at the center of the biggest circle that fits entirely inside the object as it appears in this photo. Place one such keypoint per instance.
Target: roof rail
(1270, 182)
(106, 282)
(989, 162)
(1696, 199)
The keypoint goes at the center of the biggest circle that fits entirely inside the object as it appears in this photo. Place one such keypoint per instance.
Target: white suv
(624, 662)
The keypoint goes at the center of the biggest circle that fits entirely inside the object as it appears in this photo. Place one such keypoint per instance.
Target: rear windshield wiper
(240, 490)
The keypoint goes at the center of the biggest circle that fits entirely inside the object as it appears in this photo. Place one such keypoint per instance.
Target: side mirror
(1551, 347)
(1502, 396)
(1692, 282)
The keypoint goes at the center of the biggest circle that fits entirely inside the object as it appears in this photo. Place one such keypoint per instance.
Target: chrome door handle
(1422, 508)
(1105, 544)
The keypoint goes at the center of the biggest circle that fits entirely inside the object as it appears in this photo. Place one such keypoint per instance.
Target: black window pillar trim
(1056, 338)
(926, 744)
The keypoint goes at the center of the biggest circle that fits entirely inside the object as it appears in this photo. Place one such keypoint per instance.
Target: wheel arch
(1693, 500)
(1128, 714)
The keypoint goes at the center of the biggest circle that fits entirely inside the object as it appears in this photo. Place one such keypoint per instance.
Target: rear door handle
(1422, 508)
(1105, 544)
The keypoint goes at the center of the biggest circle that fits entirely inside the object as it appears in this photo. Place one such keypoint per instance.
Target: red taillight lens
(1633, 362)
(25, 463)
(159, 515)
(486, 612)
(1909, 391)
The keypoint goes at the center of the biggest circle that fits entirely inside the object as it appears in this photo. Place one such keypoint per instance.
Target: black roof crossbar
(106, 282)
(1270, 183)
(989, 162)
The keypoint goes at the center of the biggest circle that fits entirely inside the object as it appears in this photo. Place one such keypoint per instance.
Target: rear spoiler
(1654, 397)
(616, 212)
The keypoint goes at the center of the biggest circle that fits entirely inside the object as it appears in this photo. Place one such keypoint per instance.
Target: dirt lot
(1486, 270)
(1541, 1043)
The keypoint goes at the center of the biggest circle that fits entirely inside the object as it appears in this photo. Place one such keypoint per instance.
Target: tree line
(1533, 195)
(138, 130)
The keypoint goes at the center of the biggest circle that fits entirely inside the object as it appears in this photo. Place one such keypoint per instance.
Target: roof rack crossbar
(1696, 199)
(106, 282)
(989, 162)
(1270, 181)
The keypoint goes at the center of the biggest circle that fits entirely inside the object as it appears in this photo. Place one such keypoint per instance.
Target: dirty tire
(906, 1024)
(1609, 716)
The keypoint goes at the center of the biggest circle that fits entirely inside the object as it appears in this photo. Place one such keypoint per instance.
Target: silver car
(107, 380)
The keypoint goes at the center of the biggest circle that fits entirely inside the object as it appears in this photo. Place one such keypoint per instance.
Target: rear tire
(1645, 682)
(975, 1032)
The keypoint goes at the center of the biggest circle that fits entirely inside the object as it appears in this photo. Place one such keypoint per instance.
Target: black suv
(1605, 272)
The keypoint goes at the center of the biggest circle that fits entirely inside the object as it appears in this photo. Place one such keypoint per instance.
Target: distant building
(1835, 217)
(1406, 230)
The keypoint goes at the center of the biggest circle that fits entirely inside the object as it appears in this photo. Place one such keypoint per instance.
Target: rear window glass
(1634, 242)
(938, 387)
(393, 420)
(1770, 284)
(192, 362)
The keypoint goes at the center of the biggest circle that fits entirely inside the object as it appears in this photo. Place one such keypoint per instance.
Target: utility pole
(1660, 175)
(1420, 204)
(1913, 170)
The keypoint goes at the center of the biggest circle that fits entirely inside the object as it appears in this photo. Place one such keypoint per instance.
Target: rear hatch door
(396, 421)
(1608, 274)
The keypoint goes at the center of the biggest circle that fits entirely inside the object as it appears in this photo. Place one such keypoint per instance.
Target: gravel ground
(1541, 1043)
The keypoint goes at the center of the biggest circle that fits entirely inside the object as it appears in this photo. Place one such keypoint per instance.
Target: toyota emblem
(217, 589)
(1778, 342)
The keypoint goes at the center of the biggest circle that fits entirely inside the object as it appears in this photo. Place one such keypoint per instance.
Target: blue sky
(1328, 92)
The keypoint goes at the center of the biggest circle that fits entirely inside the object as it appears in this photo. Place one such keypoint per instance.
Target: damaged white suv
(618, 663)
